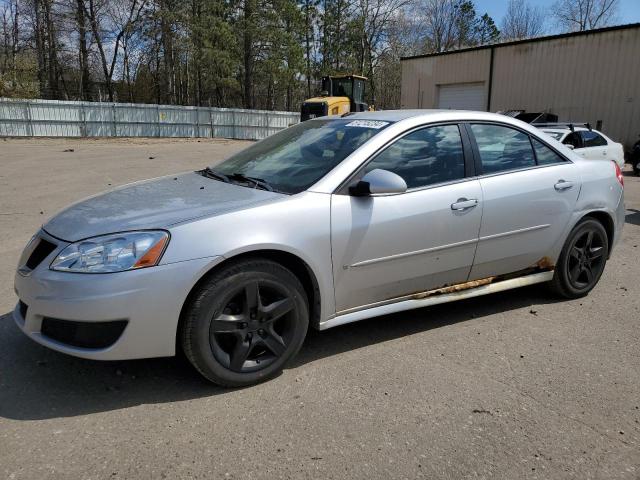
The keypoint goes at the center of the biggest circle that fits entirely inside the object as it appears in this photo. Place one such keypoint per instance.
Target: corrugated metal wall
(422, 77)
(582, 78)
(50, 118)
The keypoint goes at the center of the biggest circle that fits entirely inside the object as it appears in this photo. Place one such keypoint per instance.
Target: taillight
(619, 174)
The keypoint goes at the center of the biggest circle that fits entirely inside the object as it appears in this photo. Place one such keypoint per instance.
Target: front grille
(83, 334)
(42, 251)
(22, 308)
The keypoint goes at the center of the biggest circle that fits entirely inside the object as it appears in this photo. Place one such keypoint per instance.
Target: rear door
(387, 246)
(529, 192)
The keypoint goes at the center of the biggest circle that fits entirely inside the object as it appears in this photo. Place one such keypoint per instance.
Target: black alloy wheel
(254, 327)
(245, 322)
(585, 259)
(582, 260)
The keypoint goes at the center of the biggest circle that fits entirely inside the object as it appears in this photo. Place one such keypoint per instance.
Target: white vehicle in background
(585, 141)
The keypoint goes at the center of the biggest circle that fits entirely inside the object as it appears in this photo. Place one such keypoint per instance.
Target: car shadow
(632, 218)
(38, 383)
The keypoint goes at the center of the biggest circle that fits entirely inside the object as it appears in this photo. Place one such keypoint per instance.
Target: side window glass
(424, 157)
(573, 139)
(601, 142)
(502, 148)
(545, 155)
(592, 139)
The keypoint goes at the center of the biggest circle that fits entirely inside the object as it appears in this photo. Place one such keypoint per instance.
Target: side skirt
(437, 296)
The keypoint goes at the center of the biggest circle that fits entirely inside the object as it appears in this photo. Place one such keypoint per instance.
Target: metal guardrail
(53, 118)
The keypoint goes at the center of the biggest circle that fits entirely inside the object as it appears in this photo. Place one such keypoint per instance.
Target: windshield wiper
(258, 182)
(210, 173)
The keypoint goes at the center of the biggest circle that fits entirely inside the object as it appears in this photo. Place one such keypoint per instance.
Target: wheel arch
(607, 222)
(292, 262)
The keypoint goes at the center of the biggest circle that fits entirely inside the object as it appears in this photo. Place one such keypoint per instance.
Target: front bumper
(149, 300)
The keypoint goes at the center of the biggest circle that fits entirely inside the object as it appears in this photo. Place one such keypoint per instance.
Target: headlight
(112, 253)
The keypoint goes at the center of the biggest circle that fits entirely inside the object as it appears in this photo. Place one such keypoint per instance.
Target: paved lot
(514, 385)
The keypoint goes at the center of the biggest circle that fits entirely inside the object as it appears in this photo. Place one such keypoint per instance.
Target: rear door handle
(464, 204)
(563, 185)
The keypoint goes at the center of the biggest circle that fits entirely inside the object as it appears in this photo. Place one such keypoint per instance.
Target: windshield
(293, 159)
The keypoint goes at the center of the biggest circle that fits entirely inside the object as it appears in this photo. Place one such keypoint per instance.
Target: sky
(628, 10)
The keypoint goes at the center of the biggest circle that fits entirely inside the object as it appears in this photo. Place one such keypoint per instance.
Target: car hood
(157, 203)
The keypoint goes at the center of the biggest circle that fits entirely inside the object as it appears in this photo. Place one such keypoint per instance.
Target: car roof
(393, 115)
(426, 115)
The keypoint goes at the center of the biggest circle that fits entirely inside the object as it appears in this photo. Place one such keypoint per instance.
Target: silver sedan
(328, 222)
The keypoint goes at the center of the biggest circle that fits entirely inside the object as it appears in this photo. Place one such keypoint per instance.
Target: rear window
(592, 139)
(545, 155)
(502, 148)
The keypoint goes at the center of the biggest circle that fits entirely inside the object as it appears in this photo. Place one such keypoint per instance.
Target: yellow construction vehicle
(340, 94)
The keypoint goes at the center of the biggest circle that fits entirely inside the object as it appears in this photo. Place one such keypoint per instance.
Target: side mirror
(378, 181)
(569, 146)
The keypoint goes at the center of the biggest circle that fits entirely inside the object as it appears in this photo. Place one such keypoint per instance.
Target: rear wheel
(245, 322)
(582, 260)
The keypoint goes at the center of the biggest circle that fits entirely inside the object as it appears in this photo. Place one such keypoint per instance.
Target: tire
(245, 322)
(582, 260)
(636, 168)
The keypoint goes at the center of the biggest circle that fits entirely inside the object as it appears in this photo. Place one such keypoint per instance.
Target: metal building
(583, 77)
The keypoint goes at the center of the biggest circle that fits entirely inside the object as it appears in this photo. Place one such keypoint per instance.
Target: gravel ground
(516, 385)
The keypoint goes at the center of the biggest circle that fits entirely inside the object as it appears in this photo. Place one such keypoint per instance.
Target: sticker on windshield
(367, 124)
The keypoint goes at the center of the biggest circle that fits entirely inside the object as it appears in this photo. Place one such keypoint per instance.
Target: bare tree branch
(581, 15)
(522, 20)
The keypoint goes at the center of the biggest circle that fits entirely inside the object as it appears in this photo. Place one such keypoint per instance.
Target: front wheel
(245, 322)
(582, 260)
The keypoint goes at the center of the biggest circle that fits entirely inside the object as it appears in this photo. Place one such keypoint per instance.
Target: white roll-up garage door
(462, 96)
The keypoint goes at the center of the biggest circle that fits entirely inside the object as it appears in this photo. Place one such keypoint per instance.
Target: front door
(388, 246)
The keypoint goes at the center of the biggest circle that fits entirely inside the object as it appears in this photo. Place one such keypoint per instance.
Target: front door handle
(464, 204)
(563, 185)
